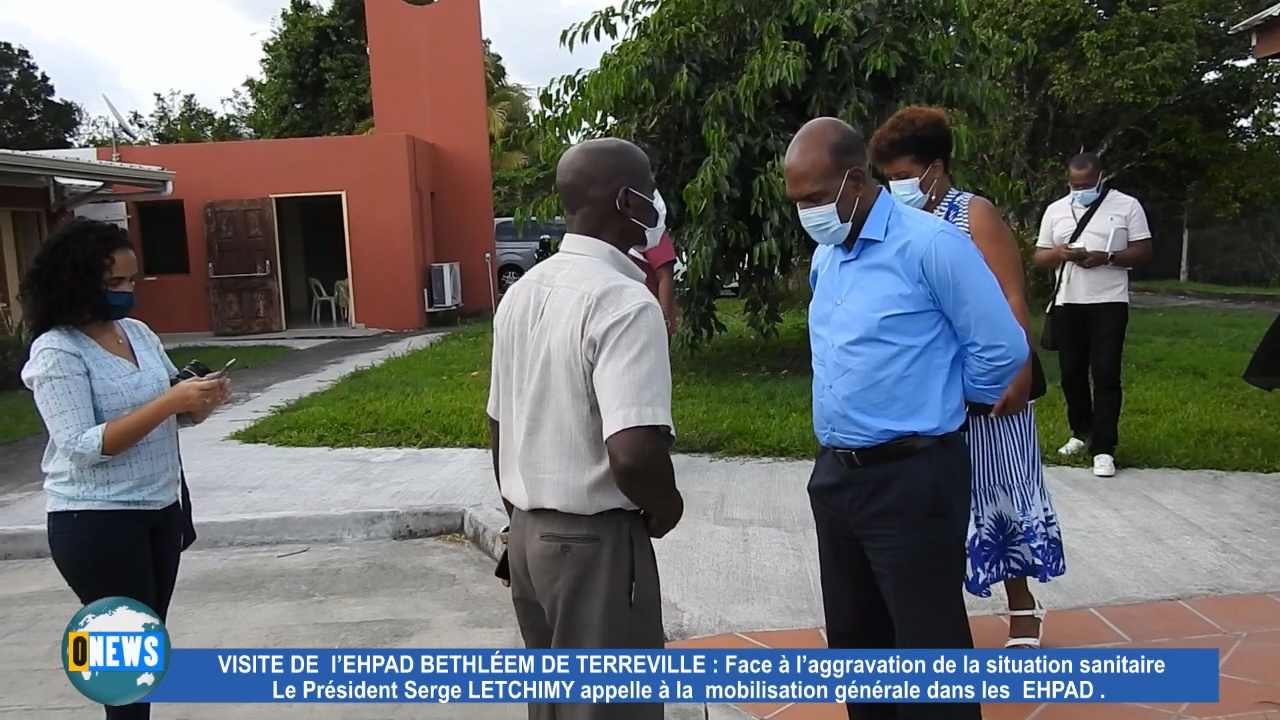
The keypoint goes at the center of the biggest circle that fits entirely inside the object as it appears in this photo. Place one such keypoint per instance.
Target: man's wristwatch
(1110, 259)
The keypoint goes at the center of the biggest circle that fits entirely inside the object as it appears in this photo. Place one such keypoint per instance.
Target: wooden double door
(244, 266)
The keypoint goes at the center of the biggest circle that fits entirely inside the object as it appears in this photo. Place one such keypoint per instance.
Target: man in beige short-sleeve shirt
(580, 423)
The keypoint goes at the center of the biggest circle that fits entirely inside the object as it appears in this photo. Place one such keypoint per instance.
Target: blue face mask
(823, 222)
(119, 304)
(1086, 197)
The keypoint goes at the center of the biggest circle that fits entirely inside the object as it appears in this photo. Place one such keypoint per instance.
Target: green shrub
(13, 353)
(1039, 283)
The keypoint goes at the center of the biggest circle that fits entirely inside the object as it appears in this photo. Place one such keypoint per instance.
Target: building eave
(25, 164)
(1270, 13)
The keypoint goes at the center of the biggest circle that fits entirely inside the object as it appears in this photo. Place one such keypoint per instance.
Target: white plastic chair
(319, 298)
(342, 292)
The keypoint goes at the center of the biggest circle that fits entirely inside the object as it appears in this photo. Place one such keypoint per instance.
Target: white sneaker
(1073, 446)
(1104, 466)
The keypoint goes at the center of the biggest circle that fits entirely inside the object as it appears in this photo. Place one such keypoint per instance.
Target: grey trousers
(585, 581)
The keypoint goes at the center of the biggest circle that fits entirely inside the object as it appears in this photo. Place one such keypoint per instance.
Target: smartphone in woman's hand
(220, 373)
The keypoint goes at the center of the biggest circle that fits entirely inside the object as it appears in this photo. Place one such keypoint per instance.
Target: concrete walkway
(437, 593)
(363, 595)
(1267, 304)
(744, 557)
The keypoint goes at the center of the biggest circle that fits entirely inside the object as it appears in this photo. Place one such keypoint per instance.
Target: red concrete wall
(379, 174)
(427, 70)
(1266, 40)
(422, 214)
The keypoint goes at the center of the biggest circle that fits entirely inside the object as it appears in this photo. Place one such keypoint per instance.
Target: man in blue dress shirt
(906, 323)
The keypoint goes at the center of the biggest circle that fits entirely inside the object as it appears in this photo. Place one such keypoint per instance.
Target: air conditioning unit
(444, 287)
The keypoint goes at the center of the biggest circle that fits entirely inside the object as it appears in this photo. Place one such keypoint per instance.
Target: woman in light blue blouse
(102, 383)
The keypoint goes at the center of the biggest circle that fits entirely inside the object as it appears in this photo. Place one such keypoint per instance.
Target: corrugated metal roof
(1253, 22)
(31, 163)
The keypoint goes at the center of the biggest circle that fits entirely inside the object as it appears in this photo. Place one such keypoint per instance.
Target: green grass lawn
(1173, 286)
(18, 418)
(1185, 405)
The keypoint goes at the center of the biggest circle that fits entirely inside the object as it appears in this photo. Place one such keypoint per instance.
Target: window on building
(162, 229)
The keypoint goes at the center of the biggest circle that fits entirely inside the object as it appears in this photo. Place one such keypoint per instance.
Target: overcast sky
(171, 45)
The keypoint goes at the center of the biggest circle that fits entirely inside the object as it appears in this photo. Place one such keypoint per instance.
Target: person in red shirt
(659, 265)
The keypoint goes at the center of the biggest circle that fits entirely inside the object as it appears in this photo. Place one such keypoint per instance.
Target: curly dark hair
(64, 286)
(917, 132)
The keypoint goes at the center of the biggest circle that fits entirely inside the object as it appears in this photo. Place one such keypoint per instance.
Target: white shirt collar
(594, 247)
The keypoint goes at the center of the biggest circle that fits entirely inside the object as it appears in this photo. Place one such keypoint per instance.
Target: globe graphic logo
(114, 615)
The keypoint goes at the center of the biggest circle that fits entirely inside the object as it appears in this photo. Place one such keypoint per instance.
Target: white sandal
(1030, 643)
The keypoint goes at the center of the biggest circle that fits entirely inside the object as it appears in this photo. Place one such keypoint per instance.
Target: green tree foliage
(515, 142)
(31, 117)
(315, 73)
(714, 89)
(507, 112)
(180, 118)
(315, 81)
(1160, 90)
(1182, 117)
(175, 118)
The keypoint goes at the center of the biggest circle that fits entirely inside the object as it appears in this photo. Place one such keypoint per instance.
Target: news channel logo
(115, 651)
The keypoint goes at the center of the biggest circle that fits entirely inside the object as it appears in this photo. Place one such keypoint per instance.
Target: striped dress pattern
(1013, 529)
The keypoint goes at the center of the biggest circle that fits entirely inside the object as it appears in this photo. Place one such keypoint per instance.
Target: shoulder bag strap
(1081, 224)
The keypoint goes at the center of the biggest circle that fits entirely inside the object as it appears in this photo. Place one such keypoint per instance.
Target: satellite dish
(123, 124)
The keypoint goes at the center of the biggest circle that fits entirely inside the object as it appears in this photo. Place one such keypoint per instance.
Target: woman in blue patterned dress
(1014, 533)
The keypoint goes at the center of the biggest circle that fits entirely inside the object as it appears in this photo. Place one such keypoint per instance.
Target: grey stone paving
(425, 593)
(1158, 300)
(413, 594)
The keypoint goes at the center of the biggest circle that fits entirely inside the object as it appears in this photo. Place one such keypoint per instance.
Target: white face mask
(910, 193)
(823, 222)
(652, 235)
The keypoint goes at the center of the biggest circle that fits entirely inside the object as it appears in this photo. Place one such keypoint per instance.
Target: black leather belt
(892, 451)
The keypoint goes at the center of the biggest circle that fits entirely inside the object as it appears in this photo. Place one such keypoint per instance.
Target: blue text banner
(688, 676)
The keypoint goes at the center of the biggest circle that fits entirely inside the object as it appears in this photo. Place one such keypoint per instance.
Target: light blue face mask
(908, 191)
(823, 222)
(1087, 196)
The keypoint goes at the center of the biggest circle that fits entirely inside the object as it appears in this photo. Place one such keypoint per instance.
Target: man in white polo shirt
(580, 423)
(1090, 239)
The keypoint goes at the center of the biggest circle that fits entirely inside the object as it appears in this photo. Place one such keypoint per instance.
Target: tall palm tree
(507, 110)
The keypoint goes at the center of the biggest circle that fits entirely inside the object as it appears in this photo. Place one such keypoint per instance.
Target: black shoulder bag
(1049, 335)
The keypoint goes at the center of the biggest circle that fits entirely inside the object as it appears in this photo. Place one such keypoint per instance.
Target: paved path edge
(283, 528)
(480, 525)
